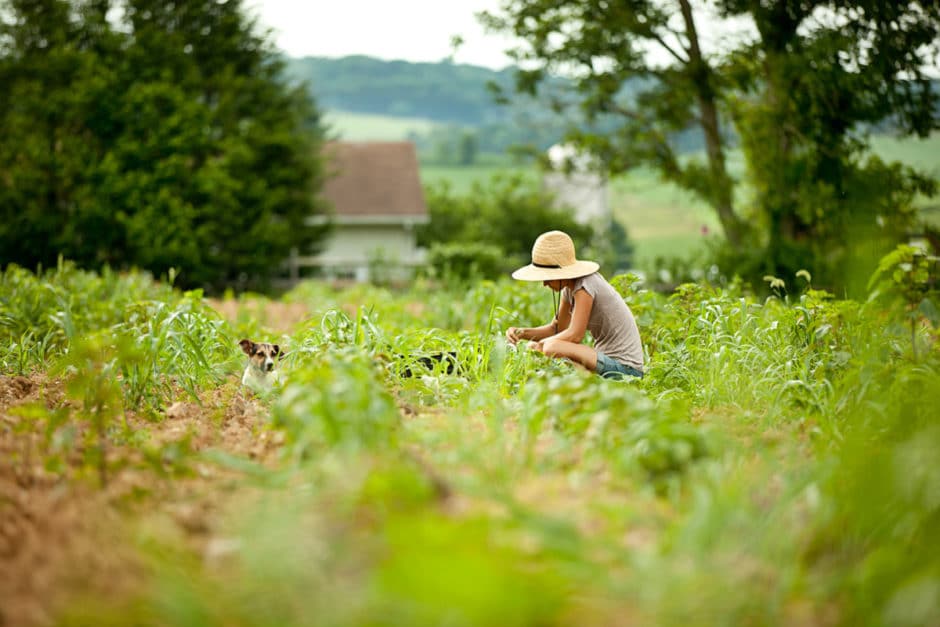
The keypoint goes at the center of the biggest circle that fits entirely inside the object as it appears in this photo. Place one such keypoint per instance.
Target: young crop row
(777, 465)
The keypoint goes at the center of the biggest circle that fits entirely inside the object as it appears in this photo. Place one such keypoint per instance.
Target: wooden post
(293, 266)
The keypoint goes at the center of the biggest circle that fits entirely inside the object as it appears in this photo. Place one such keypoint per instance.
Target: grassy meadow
(367, 127)
(666, 221)
(777, 466)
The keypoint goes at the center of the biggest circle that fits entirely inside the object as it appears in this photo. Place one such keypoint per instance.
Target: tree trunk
(722, 198)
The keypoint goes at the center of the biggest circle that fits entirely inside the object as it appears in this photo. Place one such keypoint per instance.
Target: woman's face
(556, 285)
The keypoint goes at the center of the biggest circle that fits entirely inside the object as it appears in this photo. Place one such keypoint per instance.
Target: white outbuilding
(578, 182)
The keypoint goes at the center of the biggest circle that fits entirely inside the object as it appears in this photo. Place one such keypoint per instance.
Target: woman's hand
(513, 335)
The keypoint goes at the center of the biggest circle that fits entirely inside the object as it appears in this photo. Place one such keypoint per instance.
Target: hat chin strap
(556, 298)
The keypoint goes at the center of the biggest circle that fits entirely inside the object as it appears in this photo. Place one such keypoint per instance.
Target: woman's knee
(562, 348)
(577, 353)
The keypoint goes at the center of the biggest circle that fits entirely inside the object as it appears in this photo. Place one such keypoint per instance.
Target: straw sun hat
(553, 258)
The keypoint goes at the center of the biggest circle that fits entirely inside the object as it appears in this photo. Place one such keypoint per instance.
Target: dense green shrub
(461, 261)
(506, 212)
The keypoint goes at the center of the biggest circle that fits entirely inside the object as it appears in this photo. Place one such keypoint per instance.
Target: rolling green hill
(443, 92)
(440, 102)
(436, 105)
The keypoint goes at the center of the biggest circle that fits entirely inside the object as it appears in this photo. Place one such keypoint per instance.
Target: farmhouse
(377, 201)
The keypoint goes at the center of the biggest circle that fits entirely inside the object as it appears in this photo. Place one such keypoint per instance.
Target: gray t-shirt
(611, 322)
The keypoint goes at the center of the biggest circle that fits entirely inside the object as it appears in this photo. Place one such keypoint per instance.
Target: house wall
(354, 251)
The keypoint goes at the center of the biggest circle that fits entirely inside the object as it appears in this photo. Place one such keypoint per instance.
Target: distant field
(462, 179)
(662, 219)
(920, 153)
(365, 127)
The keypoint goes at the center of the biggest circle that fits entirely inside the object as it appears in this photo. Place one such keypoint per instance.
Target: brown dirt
(275, 316)
(16, 390)
(63, 533)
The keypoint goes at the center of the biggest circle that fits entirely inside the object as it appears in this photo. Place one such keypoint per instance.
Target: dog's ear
(246, 346)
(277, 349)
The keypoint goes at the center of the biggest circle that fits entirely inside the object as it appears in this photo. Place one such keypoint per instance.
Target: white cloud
(411, 30)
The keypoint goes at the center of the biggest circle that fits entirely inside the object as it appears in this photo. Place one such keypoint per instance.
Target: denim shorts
(610, 368)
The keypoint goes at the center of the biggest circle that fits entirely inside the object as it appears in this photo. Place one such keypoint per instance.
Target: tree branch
(662, 42)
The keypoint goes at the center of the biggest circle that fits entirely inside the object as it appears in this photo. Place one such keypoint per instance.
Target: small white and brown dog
(260, 373)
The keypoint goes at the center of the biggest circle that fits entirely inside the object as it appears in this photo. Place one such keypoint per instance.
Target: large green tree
(798, 82)
(162, 138)
(804, 96)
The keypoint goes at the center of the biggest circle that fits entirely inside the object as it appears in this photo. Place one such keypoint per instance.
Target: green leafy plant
(91, 370)
(906, 277)
(463, 261)
(351, 480)
(334, 400)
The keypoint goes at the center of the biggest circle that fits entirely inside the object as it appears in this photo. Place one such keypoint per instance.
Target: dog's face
(261, 355)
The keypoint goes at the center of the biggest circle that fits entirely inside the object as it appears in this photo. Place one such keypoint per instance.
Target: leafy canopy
(799, 88)
(162, 138)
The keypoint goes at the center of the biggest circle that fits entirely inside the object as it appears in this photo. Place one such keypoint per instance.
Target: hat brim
(536, 273)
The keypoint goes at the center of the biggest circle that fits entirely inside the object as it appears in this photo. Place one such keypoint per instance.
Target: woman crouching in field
(588, 303)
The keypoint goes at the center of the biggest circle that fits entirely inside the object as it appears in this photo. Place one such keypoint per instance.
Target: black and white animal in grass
(445, 362)
(260, 373)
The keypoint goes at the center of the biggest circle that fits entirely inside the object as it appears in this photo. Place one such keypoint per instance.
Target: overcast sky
(422, 30)
(411, 30)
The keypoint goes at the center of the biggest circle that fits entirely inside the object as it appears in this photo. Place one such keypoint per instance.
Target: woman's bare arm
(536, 334)
(576, 323)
